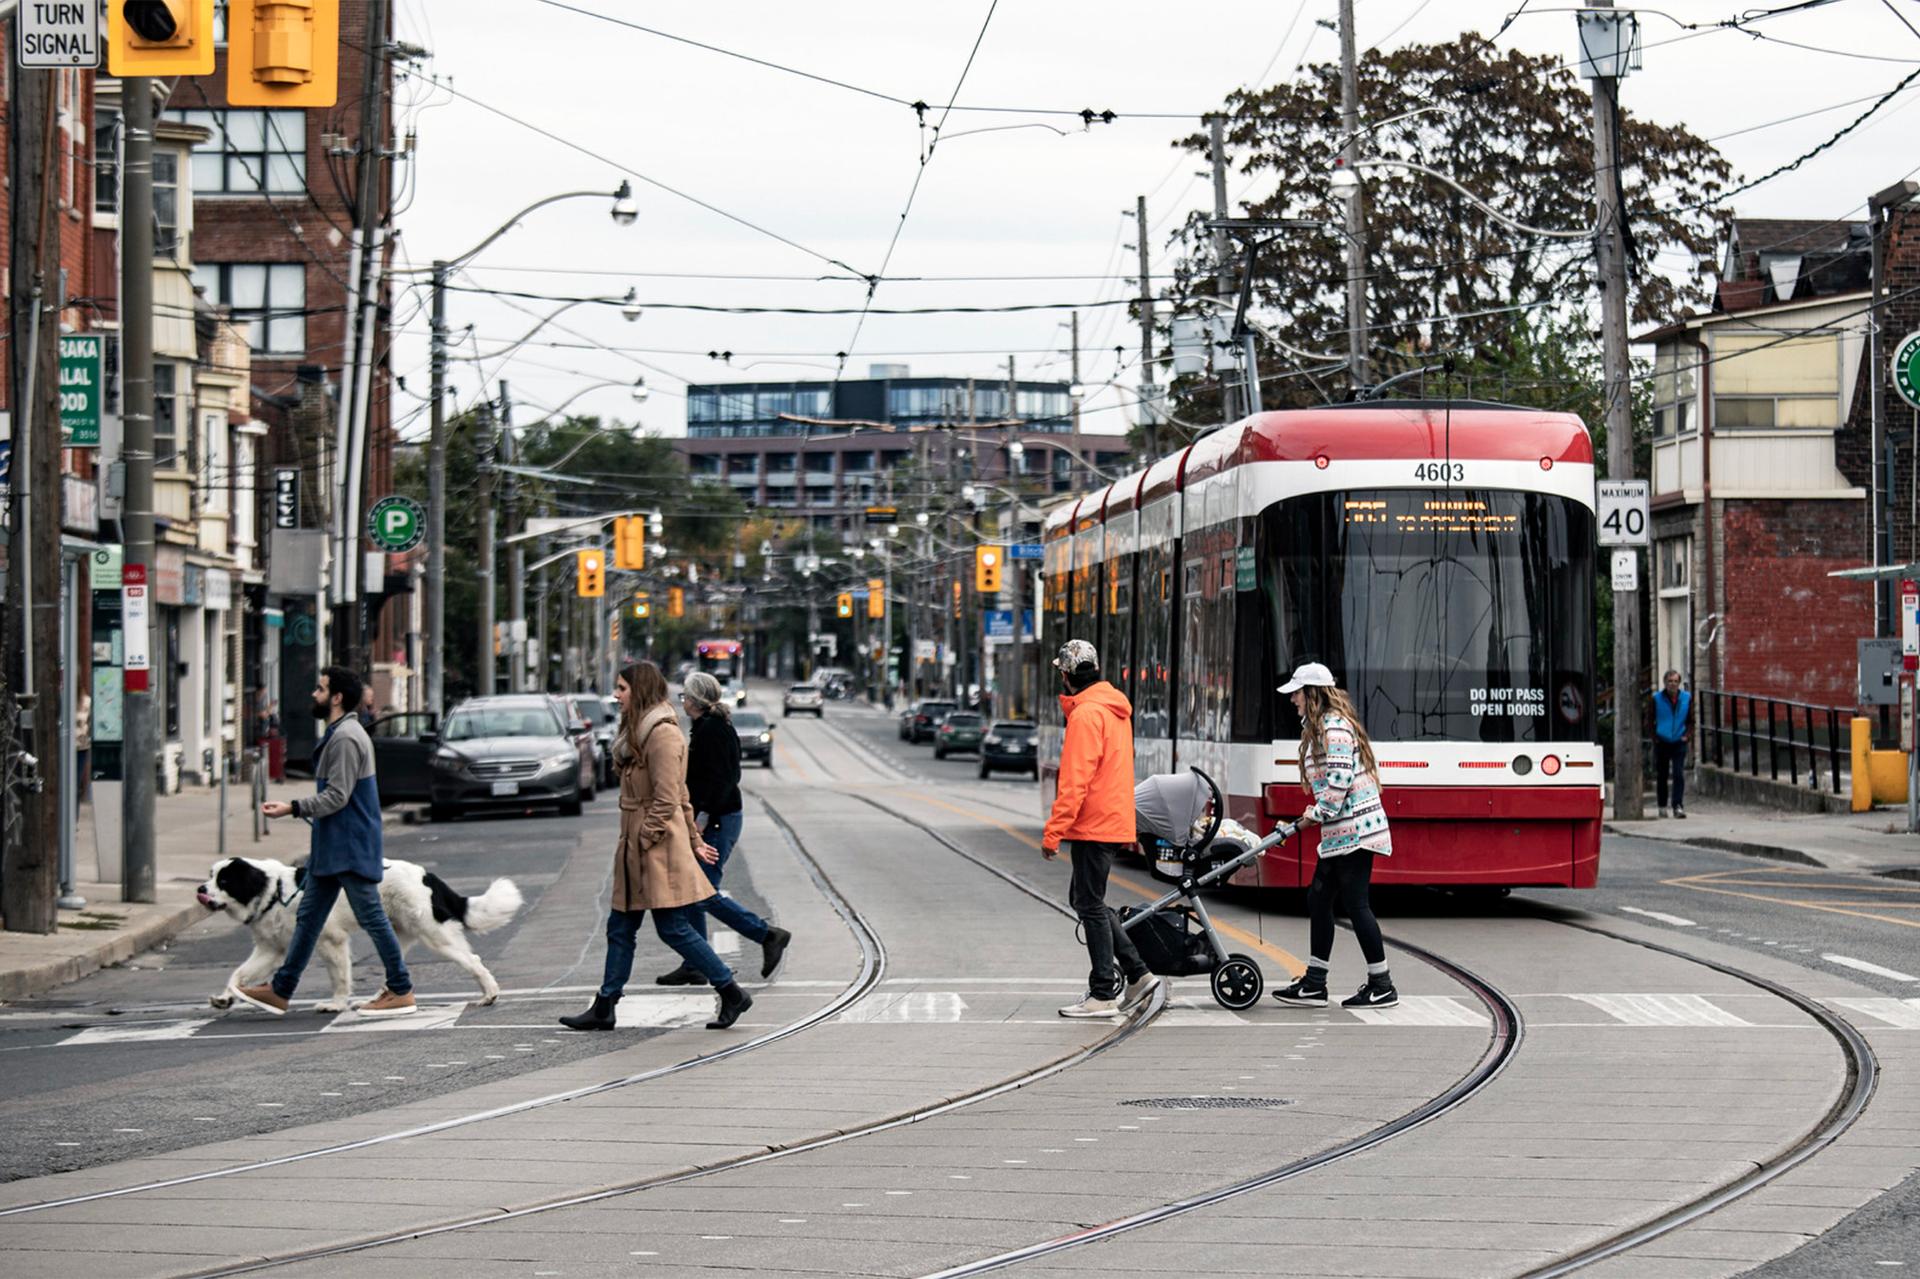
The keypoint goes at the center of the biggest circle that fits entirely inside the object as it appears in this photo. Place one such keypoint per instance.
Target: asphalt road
(132, 1060)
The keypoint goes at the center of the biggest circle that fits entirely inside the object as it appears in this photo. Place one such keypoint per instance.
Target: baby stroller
(1180, 816)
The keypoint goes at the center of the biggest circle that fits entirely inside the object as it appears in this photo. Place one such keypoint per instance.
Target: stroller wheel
(1237, 983)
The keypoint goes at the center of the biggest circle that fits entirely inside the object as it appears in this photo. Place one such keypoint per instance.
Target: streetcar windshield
(1456, 615)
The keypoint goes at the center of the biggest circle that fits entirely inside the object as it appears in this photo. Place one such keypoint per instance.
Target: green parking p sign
(80, 390)
(1906, 369)
(396, 523)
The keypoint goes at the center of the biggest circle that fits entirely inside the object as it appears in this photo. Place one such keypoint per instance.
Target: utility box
(1880, 668)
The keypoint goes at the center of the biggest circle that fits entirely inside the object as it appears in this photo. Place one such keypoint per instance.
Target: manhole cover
(1209, 1103)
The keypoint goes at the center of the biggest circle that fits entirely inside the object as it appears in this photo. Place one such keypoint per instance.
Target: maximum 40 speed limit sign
(1622, 512)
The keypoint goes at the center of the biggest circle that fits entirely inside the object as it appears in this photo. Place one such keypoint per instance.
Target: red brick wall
(1790, 629)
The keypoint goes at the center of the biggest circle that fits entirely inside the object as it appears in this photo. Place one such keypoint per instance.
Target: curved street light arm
(1585, 234)
(514, 221)
(528, 336)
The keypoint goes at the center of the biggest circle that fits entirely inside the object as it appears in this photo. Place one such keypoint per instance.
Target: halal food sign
(1906, 369)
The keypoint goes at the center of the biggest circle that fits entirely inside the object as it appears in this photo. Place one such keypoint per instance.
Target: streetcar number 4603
(1440, 472)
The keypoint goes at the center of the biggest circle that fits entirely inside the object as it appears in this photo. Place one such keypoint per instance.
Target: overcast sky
(829, 169)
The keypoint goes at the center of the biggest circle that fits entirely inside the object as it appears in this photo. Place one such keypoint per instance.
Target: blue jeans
(675, 926)
(316, 903)
(723, 833)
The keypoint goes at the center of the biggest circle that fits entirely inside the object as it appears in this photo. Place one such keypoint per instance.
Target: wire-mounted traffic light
(843, 604)
(630, 542)
(591, 574)
(160, 37)
(986, 569)
(876, 597)
(283, 53)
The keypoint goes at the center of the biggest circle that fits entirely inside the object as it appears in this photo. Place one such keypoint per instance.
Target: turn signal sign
(283, 53)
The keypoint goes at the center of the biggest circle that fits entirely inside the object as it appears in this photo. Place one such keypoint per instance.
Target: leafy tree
(1513, 128)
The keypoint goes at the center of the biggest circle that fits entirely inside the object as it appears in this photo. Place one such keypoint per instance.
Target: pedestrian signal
(987, 563)
(843, 604)
(877, 598)
(630, 542)
(591, 575)
(283, 53)
(676, 602)
(160, 37)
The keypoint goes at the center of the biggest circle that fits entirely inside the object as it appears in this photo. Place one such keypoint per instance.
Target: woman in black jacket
(713, 785)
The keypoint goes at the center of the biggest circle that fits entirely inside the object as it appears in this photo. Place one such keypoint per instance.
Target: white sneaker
(1091, 1007)
(1138, 992)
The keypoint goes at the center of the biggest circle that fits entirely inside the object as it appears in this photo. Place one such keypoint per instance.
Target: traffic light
(956, 597)
(283, 53)
(160, 37)
(642, 610)
(843, 605)
(877, 598)
(986, 569)
(630, 542)
(676, 602)
(591, 575)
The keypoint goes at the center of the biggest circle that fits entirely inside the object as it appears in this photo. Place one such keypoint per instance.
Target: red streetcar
(1439, 557)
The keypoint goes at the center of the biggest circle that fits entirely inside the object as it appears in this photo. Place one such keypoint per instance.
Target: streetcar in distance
(725, 660)
(1437, 556)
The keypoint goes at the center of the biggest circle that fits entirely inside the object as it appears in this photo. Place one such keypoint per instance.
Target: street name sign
(1906, 369)
(59, 33)
(397, 523)
(80, 390)
(1622, 508)
(1026, 551)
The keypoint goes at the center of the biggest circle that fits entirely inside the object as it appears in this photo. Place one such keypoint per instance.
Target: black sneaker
(1372, 996)
(1303, 994)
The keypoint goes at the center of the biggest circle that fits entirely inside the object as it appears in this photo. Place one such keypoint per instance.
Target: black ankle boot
(681, 976)
(598, 1017)
(733, 1002)
(772, 949)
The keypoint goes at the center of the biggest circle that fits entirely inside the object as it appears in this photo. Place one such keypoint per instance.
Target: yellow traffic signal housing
(676, 602)
(986, 569)
(876, 597)
(843, 604)
(957, 590)
(591, 574)
(283, 53)
(630, 542)
(642, 610)
(159, 37)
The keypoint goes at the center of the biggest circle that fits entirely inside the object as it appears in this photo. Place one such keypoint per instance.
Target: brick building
(1762, 485)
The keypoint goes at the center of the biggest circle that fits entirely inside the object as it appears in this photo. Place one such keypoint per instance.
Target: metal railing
(1744, 732)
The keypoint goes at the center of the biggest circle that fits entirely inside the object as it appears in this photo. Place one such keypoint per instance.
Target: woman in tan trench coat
(654, 865)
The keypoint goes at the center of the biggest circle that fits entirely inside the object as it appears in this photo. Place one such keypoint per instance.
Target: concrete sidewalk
(1875, 842)
(108, 930)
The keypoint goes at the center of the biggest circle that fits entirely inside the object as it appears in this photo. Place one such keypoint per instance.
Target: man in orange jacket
(1094, 810)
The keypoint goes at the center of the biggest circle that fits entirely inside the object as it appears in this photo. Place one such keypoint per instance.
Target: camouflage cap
(1075, 654)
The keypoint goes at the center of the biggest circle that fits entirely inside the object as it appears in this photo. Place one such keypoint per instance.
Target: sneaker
(1138, 992)
(386, 1004)
(1304, 993)
(261, 997)
(1092, 1007)
(1372, 996)
(1679, 812)
(1663, 810)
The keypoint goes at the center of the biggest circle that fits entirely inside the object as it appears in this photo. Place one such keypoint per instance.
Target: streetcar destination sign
(1906, 369)
(1622, 508)
(59, 33)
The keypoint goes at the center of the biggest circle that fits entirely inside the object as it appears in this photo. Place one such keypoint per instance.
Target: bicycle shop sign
(1906, 369)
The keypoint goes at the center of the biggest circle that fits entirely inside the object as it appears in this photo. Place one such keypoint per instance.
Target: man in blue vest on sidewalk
(1672, 725)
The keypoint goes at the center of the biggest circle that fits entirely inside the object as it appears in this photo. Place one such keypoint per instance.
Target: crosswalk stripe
(1423, 1010)
(662, 1011)
(912, 1006)
(1904, 1013)
(422, 1019)
(1662, 1010)
(724, 941)
(139, 1032)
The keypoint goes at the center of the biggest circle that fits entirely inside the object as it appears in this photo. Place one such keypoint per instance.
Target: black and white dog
(265, 895)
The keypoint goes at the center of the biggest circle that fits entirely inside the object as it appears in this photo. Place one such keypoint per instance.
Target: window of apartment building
(819, 464)
(166, 413)
(106, 161)
(269, 298)
(855, 462)
(920, 401)
(816, 401)
(1674, 387)
(1673, 557)
(166, 203)
(780, 464)
(704, 464)
(250, 152)
(1765, 378)
(743, 464)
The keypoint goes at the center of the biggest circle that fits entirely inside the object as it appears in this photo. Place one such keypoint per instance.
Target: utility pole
(517, 557)
(1628, 697)
(483, 671)
(1232, 407)
(435, 654)
(33, 676)
(1359, 373)
(139, 742)
(1149, 412)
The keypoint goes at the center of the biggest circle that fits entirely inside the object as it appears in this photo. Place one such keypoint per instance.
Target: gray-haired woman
(713, 786)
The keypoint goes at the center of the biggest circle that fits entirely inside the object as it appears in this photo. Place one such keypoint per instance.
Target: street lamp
(624, 213)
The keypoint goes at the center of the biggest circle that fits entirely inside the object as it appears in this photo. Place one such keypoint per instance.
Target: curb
(1767, 851)
(23, 983)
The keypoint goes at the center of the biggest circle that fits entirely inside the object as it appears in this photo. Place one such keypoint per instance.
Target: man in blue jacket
(346, 854)
(1672, 724)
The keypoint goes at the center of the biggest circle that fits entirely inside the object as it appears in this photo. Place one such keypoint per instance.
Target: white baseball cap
(1075, 654)
(1311, 675)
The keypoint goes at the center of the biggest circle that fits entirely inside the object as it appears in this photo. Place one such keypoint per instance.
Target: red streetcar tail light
(1546, 464)
(1550, 765)
(1321, 461)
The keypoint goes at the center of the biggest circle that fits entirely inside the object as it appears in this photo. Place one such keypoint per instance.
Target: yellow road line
(1788, 901)
(786, 757)
(1292, 964)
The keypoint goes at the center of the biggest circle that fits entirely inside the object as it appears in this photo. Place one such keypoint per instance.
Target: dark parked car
(756, 737)
(510, 752)
(960, 732)
(1010, 746)
(924, 720)
(604, 718)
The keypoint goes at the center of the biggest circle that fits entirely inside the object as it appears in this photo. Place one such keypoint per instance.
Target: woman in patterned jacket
(1338, 771)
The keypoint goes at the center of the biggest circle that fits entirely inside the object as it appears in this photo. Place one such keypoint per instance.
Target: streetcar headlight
(1522, 765)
